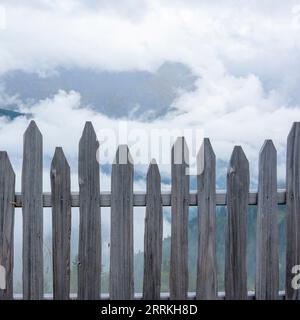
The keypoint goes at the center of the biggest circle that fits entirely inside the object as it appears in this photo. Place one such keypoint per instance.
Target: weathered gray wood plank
(89, 254)
(179, 225)
(207, 261)
(61, 224)
(293, 209)
(32, 195)
(267, 260)
(236, 231)
(153, 235)
(139, 198)
(121, 243)
(7, 213)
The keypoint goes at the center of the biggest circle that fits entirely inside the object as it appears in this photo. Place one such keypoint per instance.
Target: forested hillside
(193, 243)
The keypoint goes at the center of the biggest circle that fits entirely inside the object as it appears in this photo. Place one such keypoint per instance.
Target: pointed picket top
(88, 152)
(153, 169)
(206, 148)
(153, 178)
(32, 147)
(238, 169)
(180, 152)
(205, 157)
(59, 159)
(5, 163)
(89, 131)
(238, 159)
(123, 155)
(153, 162)
(33, 140)
(32, 129)
(268, 147)
(59, 154)
(238, 154)
(32, 126)
(88, 143)
(89, 128)
(88, 138)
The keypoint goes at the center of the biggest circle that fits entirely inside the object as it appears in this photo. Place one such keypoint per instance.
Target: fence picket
(61, 224)
(121, 199)
(207, 261)
(267, 263)
(153, 235)
(180, 211)
(7, 213)
(89, 255)
(32, 197)
(292, 209)
(236, 231)
(121, 245)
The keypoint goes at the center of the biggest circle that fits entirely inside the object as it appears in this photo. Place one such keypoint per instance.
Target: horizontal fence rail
(139, 199)
(122, 199)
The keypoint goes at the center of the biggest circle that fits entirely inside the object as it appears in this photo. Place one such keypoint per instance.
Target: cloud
(245, 54)
(203, 35)
(246, 118)
(61, 120)
(246, 57)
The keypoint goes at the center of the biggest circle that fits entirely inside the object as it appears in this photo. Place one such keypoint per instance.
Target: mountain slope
(138, 94)
(10, 114)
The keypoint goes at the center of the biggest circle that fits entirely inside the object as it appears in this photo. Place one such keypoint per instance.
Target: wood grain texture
(153, 235)
(139, 198)
(7, 213)
(267, 259)
(236, 231)
(32, 196)
(293, 209)
(179, 225)
(207, 261)
(61, 224)
(89, 255)
(121, 243)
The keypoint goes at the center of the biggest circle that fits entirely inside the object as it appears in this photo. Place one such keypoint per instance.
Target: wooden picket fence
(122, 199)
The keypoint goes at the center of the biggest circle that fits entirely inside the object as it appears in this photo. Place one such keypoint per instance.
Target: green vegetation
(220, 243)
(192, 255)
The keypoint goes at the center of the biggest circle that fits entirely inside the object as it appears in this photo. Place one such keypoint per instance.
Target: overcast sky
(246, 58)
(245, 55)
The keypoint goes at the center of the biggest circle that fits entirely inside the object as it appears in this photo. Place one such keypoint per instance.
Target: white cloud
(205, 36)
(246, 57)
(61, 121)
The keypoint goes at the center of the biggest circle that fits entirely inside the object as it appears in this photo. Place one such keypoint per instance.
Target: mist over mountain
(10, 114)
(135, 94)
